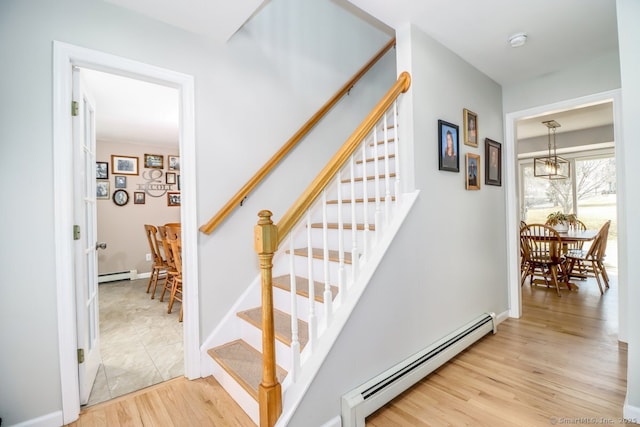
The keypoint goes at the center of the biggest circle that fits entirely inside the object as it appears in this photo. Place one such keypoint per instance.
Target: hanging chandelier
(551, 166)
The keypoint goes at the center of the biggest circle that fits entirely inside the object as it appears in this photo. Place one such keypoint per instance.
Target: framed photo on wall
(102, 189)
(470, 128)
(472, 167)
(102, 170)
(124, 165)
(121, 181)
(493, 160)
(170, 177)
(448, 147)
(139, 198)
(173, 198)
(174, 163)
(153, 161)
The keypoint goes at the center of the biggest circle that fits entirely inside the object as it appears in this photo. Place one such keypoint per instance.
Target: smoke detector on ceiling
(518, 39)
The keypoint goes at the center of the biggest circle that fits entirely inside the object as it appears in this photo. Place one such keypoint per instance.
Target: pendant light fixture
(551, 166)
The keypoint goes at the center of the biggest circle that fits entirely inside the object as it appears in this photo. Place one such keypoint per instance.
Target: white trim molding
(513, 208)
(65, 56)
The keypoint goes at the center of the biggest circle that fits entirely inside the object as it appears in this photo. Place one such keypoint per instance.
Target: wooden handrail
(298, 209)
(290, 144)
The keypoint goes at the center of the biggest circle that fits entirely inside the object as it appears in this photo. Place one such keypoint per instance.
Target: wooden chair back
(603, 236)
(541, 244)
(174, 239)
(154, 245)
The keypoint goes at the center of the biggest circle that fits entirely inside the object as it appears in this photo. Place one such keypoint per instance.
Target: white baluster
(313, 321)
(295, 341)
(365, 206)
(342, 288)
(325, 255)
(354, 231)
(397, 151)
(376, 180)
(387, 178)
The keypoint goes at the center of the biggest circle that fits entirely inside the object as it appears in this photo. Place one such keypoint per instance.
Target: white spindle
(354, 231)
(365, 205)
(295, 341)
(397, 151)
(377, 219)
(342, 288)
(325, 256)
(313, 322)
(387, 178)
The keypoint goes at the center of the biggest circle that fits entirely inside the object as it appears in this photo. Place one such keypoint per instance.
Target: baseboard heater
(120, 275)
(371, 396)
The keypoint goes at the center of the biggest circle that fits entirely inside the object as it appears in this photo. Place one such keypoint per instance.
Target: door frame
(513, 205)
(64, 57)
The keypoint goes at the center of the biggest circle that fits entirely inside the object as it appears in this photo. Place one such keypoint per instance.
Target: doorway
(513, 200)
(65, 57)
(138, 121)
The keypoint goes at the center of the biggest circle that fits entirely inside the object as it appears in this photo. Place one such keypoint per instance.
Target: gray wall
(448, 263)
(578, 138)
(251, 95)
(629, 38)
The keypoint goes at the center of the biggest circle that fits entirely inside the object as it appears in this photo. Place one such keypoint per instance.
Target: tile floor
(141, 344)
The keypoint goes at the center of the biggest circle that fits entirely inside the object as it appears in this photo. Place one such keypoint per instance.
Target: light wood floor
(560, 363)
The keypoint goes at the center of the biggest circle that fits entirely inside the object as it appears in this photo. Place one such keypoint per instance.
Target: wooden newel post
(269, 391)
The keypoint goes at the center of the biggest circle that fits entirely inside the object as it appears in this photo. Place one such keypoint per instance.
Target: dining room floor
(141, 344)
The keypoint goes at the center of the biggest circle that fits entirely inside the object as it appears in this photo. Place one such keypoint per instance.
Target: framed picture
(174, 163)
(120, 197)
(173, 198)
(154, 161)
(102, 189)
(121, 181)
(470, 128)
(102, 170)
(473, 171)
(139, 197)
(124, 165)
(448, 147)
(170, 178)
(179, 183)
(493, 159)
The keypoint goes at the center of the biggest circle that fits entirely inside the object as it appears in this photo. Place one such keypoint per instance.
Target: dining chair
(174, 237)
(542, 249)
(169, 258)
(159, 266)
(592, 259)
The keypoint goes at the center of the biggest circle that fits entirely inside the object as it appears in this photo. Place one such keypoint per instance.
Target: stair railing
(270, 165)
(269, 236)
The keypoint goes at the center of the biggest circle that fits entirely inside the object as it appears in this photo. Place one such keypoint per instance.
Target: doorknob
(101, 245)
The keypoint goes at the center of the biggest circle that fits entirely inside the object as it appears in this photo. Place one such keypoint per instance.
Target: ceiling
(560, 34)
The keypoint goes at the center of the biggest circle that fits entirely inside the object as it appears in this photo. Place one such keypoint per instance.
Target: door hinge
(80, 355)
(76, 232)
(74, 108)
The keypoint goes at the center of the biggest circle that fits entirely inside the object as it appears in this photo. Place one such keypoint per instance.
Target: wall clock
(120, 197)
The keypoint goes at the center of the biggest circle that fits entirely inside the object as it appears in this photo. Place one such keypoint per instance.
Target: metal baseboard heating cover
(375, 393)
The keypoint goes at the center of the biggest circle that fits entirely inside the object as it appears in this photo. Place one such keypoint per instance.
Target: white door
(86, 261)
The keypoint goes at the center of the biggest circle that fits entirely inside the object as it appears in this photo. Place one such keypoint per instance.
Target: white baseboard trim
(630, 413)
(53, 419)
(501, 317)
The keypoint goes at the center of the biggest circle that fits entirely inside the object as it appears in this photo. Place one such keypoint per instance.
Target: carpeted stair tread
(318, 253)
(302, 287)
(369, 178)
(334, 226)
(281, 324)
(370, 200)
(244, 364)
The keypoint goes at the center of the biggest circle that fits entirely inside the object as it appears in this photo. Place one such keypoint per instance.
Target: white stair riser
(244, 399)
(253, 336)
(282, 301)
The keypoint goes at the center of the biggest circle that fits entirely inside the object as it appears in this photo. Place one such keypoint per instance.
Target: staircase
(327, 258)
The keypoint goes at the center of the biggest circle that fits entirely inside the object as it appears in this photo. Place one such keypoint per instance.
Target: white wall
(448, 263)
(628, 39)
(251, 94)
